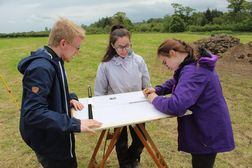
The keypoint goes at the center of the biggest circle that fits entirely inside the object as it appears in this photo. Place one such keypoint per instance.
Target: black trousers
(51, 163)
(128, 155)
(203, 160)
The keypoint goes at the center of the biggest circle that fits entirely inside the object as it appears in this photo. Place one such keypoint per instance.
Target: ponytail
(118, 26)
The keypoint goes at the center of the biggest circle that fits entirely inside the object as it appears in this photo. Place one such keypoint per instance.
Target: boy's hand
(88, 125)
(76, 104)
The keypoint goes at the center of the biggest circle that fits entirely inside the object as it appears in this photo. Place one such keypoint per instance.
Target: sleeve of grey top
(145, 75)
(101, 82)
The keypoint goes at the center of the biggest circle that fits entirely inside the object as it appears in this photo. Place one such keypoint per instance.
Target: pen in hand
(148, 90)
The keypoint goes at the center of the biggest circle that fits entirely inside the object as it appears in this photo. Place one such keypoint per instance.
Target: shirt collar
(119, 60)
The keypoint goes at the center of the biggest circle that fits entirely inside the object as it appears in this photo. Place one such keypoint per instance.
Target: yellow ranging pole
(9, 91)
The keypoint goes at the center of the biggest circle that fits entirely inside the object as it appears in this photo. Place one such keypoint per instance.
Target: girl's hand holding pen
(151, 96)
(148, 91)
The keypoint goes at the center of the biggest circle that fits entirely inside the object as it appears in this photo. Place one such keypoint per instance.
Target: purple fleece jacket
(197, 88)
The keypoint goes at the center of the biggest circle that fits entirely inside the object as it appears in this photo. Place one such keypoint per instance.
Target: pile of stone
(217, 44)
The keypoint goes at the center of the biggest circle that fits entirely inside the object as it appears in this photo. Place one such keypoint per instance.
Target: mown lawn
(236, 82)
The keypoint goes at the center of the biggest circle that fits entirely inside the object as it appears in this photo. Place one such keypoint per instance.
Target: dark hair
(118, 26)
(176, 45)
(116, 32)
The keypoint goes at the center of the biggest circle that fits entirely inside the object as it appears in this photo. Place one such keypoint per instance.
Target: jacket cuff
(154, 101)
(75, 125)
(73, 96)
(158, 90)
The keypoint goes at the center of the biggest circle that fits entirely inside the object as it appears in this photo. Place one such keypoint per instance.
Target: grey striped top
(121, 75)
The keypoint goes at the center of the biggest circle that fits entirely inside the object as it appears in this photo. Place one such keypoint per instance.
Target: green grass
(236, 81)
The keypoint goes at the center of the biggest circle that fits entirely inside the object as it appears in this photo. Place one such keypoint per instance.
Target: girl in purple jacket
(195, 86)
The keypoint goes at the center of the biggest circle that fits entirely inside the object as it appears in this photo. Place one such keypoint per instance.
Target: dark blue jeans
(203, 160)
(51, 163)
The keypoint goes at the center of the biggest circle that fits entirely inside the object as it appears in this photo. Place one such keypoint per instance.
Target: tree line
(237, 18)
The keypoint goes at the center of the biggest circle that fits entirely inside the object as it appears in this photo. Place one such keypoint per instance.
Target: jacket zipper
(66, 106)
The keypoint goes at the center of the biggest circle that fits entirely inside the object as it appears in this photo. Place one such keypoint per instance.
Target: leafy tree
(177, 24)
(151, 25)
(103, 22)
(220, 20)
(142, 27)
(248, 7)
(208, 15)
(155, 20)
(211, 14)
(121, 18)
(246, 25)
(216, 13)
(236, 5)
(198, 18)
(183, 12)
(167, 23)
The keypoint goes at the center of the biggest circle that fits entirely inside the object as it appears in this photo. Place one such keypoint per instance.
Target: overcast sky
(35, 15)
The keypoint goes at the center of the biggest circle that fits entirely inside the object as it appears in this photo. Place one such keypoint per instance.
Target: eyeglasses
(77, 48)
(121, 48)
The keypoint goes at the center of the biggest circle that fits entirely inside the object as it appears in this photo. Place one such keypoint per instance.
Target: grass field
(236, 81)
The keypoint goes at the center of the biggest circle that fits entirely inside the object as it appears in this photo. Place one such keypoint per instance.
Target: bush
(208, 28)
(177, 24)
(25, 34)
(245, 26)
(95, 30)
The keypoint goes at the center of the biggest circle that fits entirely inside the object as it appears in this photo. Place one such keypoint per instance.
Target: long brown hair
(176, 45)
(116, 32)
(179, 46)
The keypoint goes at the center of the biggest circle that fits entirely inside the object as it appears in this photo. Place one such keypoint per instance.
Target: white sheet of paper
(120, 109)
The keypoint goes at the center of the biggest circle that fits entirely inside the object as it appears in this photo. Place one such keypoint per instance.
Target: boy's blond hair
(65, 29)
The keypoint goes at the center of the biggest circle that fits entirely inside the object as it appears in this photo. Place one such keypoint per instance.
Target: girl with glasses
(121, 70)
